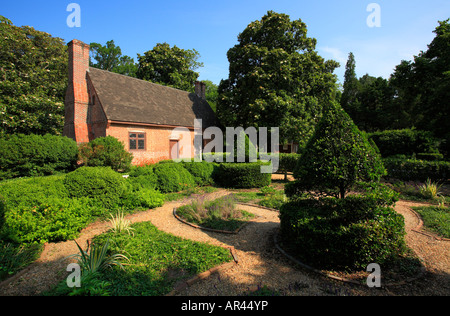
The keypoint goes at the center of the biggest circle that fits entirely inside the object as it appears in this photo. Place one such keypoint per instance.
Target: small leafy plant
(97, 259)
(119, 224)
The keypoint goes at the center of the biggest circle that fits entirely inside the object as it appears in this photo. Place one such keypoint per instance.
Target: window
(137, 141)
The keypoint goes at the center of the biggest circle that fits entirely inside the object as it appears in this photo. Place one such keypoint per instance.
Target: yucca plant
(120, 224)
(430, 190)
(97, 258)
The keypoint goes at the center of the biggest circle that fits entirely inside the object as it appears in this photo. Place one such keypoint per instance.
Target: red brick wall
(77, 96)
(157, 142)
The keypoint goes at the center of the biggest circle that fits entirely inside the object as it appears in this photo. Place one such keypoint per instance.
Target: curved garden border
(212, 229)
(418, 228)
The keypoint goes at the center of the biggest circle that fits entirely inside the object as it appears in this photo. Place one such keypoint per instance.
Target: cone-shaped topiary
(336, 157)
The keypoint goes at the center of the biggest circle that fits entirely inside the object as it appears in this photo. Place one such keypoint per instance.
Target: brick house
(140, 114)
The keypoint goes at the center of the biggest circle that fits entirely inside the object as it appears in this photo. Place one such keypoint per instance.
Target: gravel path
(260, 264)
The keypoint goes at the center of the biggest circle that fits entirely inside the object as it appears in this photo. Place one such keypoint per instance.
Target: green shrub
(173, 177)
(405, 142)
(53, 221)
(143, 177)
(202, 171)
(35, 155)
(106, 152)
(29, 192)
(142, 198)
(2, 211)
(411, 169)
(342, 234)
(288, 162)
(336, 157)
(430, 156)
(242, 175)
(99, 183)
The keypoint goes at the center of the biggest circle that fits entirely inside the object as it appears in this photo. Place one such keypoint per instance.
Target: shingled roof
(127, 99)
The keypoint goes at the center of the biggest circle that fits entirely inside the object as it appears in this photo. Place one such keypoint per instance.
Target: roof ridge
(142, 80)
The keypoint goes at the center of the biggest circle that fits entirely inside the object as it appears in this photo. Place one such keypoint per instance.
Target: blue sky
(211, 27)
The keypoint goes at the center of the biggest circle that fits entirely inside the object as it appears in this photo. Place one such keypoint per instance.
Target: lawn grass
(436, 219)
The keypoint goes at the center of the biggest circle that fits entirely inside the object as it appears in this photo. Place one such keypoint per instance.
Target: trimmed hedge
(404, 142)
(201, 171)
(288, 162)
(242, 175)
(35, 155)
(420, 170)
(173, 177)
(99, 183)
(342, 234)
(143, 177)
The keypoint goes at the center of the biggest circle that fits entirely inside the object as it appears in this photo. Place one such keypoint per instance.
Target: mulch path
(260, 264)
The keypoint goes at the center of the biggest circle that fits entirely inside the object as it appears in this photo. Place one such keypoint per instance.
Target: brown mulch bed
(260, 263)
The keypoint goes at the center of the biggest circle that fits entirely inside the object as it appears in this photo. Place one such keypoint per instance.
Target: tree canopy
(170, 66)
(110, 58)
(276, 79)
(415, 96)
(33, 72)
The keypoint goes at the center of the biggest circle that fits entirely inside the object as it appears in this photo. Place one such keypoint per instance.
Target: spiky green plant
(120, 224)
(430, 190)
(97, 259)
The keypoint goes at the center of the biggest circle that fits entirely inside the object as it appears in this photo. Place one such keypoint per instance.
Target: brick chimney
(77, 95)
(200, 90)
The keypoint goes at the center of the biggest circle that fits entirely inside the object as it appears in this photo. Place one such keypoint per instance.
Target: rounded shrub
(342, 234)
(242, 175)
(202, 171)
(143, 177)
(106, 152)
(173, 177)
(99, 183)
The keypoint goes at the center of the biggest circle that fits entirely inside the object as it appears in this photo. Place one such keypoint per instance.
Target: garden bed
(220, 215)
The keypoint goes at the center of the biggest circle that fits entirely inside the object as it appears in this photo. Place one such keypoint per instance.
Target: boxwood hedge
(242, 175)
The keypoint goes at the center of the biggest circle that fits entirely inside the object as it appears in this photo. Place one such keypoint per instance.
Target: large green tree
(276, 79)
(422, 86)
(170, 66)
(110, 58)
(33, 80)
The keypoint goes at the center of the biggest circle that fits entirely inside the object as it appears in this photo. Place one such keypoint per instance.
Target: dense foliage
(35, 155)
(173, 177)
(404, 142)
(416, 94)
(276, 78)
(100, 183)
(170, 66)
(242, 175)
(336, 157)
(110, 58)
(106, 152)
(417, 170)
(345, 233)
(33, 72)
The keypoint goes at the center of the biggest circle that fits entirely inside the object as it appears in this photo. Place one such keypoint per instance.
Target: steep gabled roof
(127, 99)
